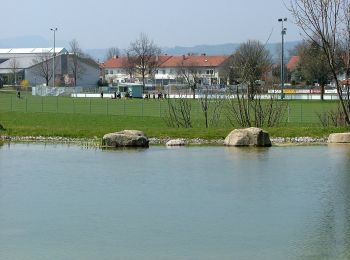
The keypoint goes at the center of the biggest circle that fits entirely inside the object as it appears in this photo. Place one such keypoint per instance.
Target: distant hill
(100, 54)
(217, 49)
(227, 49)
(24, 42)
(31, 41)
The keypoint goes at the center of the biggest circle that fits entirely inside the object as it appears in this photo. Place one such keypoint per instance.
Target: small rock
(176, 142)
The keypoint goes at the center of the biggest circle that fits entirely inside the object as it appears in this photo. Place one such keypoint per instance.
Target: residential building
(208, 69)
(117, 70)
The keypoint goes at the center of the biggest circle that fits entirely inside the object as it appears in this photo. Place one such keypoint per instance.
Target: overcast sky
(106, 23)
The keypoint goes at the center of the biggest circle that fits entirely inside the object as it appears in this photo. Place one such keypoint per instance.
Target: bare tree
(229, 73)
(313, 64)
(324, 22)
(211, 106)
(178, 113)
(14, 66)
(251, 61)
(344, 50)
(112, 52)
(145, 53)
(188, 72)
(42, 66)
(75, 57)
(129, 64)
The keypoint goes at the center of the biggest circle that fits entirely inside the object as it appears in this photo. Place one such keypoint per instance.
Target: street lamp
(283, 32)
(53, 61)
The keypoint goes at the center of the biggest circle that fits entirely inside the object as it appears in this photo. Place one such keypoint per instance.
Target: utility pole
(54, 54)
(283, 32)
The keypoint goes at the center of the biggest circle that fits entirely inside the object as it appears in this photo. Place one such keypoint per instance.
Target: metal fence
(298, 112)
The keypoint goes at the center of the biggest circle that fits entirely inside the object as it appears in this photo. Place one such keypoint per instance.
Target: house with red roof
(115, 70)
(208, 68)
(121, 69)
(293, 63)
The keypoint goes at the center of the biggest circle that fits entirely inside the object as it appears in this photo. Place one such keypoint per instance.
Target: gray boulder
(176, 142)
(339, 138)
(125, 138)
(248, 137)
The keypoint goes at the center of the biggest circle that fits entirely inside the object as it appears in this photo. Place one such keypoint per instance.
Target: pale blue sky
(106, 23)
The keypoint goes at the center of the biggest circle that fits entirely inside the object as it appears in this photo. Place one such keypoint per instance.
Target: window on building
(106, 72)
(210, 72)
(111, 72)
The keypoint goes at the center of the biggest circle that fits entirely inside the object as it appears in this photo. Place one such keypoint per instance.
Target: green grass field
(89, 117)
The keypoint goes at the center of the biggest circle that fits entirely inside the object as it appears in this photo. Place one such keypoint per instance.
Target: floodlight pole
(54, 54)
(283, 32)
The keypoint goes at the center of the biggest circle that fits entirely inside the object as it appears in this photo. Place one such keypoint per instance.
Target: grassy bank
(299, 112)
(91, 125)
(93, 117)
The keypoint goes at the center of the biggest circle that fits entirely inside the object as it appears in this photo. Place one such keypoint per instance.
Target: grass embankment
(89, 126)
(93, 117)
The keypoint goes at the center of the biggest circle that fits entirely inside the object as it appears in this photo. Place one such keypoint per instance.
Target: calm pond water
(69, 202)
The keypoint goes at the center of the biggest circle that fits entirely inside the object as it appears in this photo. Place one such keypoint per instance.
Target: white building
(208, 69)
(26, 64)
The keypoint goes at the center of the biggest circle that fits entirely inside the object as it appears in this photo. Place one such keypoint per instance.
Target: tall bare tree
(42, 66)
(251, 61)
(75, 57)
(229, 73)
(14, 66)
(313, 64)
(146, 53)
(324, 22)
(129, 64)
(112, 52)
(344, 47)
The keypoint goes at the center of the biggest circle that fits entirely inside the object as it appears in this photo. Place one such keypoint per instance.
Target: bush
(25, 83)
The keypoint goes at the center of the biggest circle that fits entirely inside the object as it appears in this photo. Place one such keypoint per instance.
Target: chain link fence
(298, 112)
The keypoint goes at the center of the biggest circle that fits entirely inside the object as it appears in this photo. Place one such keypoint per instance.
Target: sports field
(302, 112)
(88, 117)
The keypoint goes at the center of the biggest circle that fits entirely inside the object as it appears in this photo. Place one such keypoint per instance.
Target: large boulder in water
(248, 137)
(339, 138)
(125, 138)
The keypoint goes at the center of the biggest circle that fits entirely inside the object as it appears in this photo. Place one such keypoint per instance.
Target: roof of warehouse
(31, 50)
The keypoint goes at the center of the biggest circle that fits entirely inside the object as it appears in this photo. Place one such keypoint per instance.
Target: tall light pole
(283, 32)
(54, 54)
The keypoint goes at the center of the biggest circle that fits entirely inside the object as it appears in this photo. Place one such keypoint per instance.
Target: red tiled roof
(163, 58)
(166, 61)
(119, 62)
(293, 63)
(194, 60)
(345, 82)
